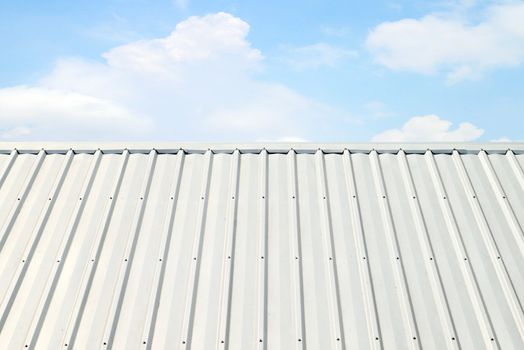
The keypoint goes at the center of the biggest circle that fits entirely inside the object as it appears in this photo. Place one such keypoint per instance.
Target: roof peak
(257, 147)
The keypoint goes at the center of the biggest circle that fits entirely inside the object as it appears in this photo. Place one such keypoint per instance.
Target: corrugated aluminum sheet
(244, 247)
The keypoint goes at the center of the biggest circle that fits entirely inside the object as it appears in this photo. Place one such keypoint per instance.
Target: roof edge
(273, 147)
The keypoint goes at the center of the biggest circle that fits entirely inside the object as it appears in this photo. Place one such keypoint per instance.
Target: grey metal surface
(276, 246)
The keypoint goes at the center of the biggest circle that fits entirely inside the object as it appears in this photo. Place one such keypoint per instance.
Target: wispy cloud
(181, 4)
(115, 30)
(378, 110)
(19, 131)
(316, 55)
(335, 31)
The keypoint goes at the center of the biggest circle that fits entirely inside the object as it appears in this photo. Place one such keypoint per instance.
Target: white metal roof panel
(266, 246)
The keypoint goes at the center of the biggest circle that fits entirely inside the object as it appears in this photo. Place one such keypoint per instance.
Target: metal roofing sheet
(261, 246)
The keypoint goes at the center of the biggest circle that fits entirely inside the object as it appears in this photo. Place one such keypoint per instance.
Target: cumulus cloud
(198, 83)
(430, 128)
(317, 55)
(197, 39)
(450, 43)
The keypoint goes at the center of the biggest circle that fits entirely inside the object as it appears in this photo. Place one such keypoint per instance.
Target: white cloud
(41, 112)
(450, 43)
(430, 128)
(316, 55)
(198, 83)
(197, 39)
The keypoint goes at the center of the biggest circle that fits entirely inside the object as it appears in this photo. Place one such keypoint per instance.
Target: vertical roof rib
(266, 246)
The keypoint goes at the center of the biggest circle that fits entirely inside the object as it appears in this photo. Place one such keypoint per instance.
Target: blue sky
(262, 71)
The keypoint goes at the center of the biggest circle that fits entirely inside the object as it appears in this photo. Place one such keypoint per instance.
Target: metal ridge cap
(255, 147)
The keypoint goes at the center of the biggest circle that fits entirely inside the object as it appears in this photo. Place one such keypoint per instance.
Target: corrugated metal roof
(257, 246)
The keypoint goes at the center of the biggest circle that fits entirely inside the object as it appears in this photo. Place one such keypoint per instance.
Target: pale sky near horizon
(262, 71)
